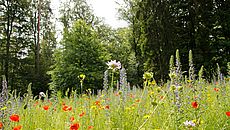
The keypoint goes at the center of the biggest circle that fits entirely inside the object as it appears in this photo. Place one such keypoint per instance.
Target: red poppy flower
(194, 104)
(46, 107)
(228, 113)
(17, 127)
(161, 97)
(14, 117)
(74, 126)
(1, 125)
(82, 114)
(107, 107)
(72, 119)
(69, 108)
(97, 103)
(90, 127)
(216, 89)
(66, 108)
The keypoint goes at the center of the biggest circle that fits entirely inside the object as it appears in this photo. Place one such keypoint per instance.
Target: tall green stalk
(112, 79)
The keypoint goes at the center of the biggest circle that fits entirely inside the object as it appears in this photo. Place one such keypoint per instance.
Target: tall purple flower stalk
(177, 81)
(123, 79)
(105, 80)
(4, 93)
(123, 83)
(3, 96)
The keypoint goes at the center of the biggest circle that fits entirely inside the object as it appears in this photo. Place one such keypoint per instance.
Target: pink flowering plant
(114, 65)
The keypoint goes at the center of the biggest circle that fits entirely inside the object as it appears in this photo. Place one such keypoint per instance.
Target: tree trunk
(10, 19)
(37, 57)
(191, 44)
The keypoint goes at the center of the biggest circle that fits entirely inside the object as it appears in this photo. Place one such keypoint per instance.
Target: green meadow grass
(154, 107)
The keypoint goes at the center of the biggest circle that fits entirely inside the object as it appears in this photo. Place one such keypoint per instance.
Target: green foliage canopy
(79, 54)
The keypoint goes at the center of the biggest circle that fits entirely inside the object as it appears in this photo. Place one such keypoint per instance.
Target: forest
(31, 53)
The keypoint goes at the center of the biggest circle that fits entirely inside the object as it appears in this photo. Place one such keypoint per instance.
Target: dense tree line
(27, 42)
(159, 27)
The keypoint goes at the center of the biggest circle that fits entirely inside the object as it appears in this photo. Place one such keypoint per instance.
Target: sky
(106, 9)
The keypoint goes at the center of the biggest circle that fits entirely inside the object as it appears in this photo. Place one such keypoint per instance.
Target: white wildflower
(189, 123)
(42, 94)
(114, 65)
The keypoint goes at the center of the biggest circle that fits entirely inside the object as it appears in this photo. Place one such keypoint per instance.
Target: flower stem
(152, 113)
(112, 80)
(81, 87)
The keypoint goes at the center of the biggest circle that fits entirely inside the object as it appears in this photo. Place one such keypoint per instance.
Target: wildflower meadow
(183, 103)
(114, 64)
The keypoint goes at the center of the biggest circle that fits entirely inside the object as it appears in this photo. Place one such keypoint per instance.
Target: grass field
(198, 105)
(181, 103)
